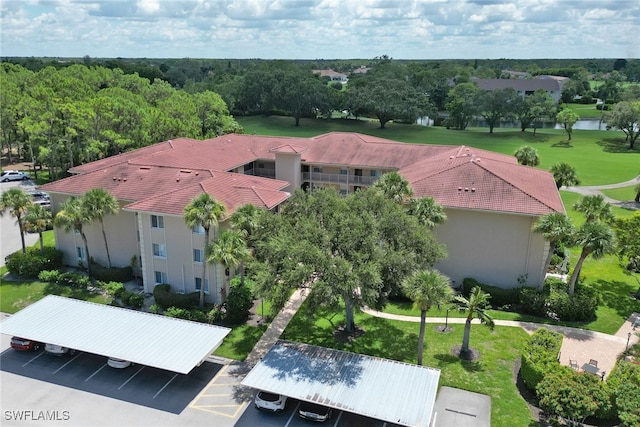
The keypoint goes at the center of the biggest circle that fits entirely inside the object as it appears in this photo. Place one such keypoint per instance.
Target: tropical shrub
(30, 264)
(113, 274)
(114, 289)
(239, 302)
(193, 314)
(540, 356)
(165, 298)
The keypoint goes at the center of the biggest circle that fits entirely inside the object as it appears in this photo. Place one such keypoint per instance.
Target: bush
(582, 306)
(113, 274)
(114, 289)
(194, 314)
(29, 265)
(624, 388)
(155, 308)
(540, 356)
(499, 297)
(216, 314)
(533, 301)
(238, 303)
(165, 298)
(69, 278)
(132, 299)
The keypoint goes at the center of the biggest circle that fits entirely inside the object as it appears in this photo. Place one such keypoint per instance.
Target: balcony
(338, 178)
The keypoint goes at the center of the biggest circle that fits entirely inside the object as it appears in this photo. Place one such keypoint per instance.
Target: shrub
(113, 274)
(69, 278)
(114, 289)
(238, 303)
(51, 276)
(165, 298)
(533, 301)
(624, 388)
(183, 313)
(154, 308)
(540, 356)
(29, 265)
(216, 314)
(499, 297)
(582, 306)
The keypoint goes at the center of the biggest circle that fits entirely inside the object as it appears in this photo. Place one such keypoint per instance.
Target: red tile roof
(165, 176)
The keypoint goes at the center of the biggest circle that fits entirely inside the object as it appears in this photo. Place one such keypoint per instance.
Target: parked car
(39, 195)
(118, 363)
(23, 344)
(14, 176)
(311, 411)
(270, 401)
(57, 350)
(45, 203)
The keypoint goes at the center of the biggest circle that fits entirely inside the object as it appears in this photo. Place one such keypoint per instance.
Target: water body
(583, 124)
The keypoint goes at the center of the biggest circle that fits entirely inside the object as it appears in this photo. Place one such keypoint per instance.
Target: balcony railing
(338, 178)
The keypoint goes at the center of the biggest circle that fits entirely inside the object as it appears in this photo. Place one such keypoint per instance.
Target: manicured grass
(600, 157)
(492, 374)
(585, 111)
(623, 194)
(14, 296)
(240, 341)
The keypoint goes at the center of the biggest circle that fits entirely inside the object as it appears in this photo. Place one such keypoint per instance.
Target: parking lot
(289, 418)
(141, 385)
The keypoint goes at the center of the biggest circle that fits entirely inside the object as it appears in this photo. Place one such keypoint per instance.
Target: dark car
(23, 344)
(313, 412)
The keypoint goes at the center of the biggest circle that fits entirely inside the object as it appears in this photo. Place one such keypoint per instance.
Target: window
(160, 276)
(198, 255)
(80, 252)
(157, 221)
(159, 250)
(317, 169)
(374, 173)
(344, 171)
(199, 284)
(198, 229)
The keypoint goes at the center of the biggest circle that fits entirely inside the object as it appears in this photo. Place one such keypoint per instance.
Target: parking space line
(295, 411)
(130, 378)
(61, 367)
(34, 358)
(239, 409)
(338, 419)
(91, 376)
(165, 386)
(204, 390)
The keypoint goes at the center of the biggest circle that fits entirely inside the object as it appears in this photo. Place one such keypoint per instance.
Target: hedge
(113, 274)
(499, 297)
(165, 298)
(540, 356)
(30, 264)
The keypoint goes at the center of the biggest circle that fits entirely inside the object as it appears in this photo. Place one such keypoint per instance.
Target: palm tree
(72, 217)
(428, 212)
(245, 219)
(37, 220)
(427, 288)
(596, 239)
(394, 186)
(230, 250)
(595, 208)
(475, 305)
(556, 228)
(99, 203)
(16, 202)
(564, 174)
(206, 212)
(527, 156)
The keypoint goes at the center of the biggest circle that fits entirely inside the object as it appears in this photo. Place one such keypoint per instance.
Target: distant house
(524, 87)
(490, 200)
(334, 76)
(361, 70)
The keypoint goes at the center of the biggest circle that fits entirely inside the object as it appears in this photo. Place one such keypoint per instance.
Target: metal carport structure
(147, 339)
(387, 390)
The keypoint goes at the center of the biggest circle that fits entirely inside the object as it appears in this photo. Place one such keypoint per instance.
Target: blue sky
(321, 29)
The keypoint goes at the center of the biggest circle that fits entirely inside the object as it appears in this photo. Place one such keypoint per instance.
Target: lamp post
(446, 319)
(628, 338)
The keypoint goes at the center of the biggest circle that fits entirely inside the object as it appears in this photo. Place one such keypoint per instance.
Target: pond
(583, 124)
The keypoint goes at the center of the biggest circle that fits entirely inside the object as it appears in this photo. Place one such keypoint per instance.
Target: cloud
(321, 28)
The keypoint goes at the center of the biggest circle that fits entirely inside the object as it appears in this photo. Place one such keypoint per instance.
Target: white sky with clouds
(321, 29)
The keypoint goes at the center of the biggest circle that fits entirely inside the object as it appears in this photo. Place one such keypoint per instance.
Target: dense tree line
(77, 114)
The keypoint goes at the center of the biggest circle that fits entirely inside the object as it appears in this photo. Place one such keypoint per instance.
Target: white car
(14, 176)
(270, 401)
(311, 411)
(118, 363)
(58, 350)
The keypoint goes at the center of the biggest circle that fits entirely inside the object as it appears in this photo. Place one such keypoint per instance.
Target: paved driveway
(9, 234)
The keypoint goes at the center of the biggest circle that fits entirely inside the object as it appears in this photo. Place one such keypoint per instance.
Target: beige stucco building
(491, 201)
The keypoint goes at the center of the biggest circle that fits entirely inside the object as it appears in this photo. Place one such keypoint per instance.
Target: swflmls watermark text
(31, 415)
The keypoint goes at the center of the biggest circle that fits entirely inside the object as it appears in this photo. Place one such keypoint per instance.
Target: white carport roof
(144, 338)
(387, 390)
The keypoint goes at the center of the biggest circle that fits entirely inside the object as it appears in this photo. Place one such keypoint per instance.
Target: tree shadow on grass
(562, 144)
(616, 145)
(444, 360)
(613, 296)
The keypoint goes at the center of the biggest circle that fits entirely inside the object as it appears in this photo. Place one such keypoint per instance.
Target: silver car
(58, 350)
(14, 176)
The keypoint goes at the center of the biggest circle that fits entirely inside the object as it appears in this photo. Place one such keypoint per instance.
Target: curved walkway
(587, 190)
(579, 345)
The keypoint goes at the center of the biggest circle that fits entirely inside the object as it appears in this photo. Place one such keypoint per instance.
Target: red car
(23, 344)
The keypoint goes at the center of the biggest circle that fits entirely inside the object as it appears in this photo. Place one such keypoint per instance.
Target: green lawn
(492, 374)
(15, 296)
(623, 194)
(240, 341)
